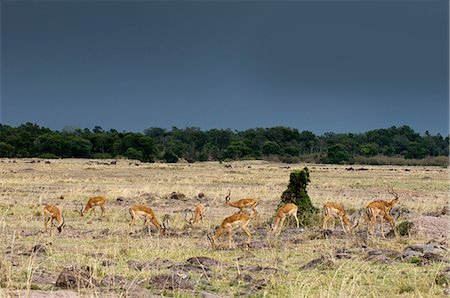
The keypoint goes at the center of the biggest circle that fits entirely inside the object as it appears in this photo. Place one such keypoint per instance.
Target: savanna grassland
(116, 264)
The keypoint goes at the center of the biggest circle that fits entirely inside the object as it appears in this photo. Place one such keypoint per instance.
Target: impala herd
(378, 210)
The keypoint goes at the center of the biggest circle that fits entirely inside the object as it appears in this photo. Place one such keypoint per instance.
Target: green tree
(337, 154)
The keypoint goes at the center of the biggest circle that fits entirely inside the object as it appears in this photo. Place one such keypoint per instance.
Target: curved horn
(76, 207)
(227, 198)
(165, 221)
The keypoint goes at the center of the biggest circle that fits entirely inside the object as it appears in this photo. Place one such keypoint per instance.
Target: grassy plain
(270, 268)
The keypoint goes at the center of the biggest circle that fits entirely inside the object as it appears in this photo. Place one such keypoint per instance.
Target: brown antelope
(92, 203)
(381, 209)
(137, 211)
(240, 219)
(333, 210)
(288, 209)
(242, 203)
(197, 214)
(51, 213)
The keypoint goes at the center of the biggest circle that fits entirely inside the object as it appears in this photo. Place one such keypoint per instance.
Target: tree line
(192, 144)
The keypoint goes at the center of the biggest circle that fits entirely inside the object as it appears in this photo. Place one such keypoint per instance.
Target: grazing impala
(381, 209)
(333, 210)
(288, 209)
(197, 214)
(240, 219)
(92, 203)
(137, 211)
(51, 213)
(242, 204)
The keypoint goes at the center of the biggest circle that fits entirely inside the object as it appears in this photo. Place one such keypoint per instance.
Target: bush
(297, 194)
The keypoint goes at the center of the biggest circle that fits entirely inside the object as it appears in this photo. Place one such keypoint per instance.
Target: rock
(432, 227)
(72, 278)
(39, 248)
(203, 261)
(384, 256)
(423, 254)
(322, 262)
(174, 281)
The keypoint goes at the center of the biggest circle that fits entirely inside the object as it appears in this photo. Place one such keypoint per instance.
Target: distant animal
(197, 214)
(240, 219)
(332, 210)
(381, 209)
(140, 211)
(242, 203)
(52, 213)
(284, 211)
(92, 203)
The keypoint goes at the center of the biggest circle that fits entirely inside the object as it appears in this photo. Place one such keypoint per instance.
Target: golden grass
(26, 186)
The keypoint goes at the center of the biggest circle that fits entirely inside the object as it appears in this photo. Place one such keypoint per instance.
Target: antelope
(240, 219)
(242, 203)
(51, 213)
(381, 209)
(137, 211)
(333, 210)
(288, 209)
(92, 203)
(197, 214)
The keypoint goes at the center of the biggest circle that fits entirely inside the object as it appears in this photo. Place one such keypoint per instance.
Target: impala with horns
(284, 211)
(141, 211)
(381, 209)
(242, 203)
(332, 210)
(197, 214)
(52, 213)
(92, 204)
(240, 220)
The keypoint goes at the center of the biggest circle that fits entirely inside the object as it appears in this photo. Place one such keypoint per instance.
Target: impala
(240, 219)
(51, 213)
(333, 210)
(288, 209)
(197, 214)
(381, 209)
(92, 203)
(242, 204)
(147, 214)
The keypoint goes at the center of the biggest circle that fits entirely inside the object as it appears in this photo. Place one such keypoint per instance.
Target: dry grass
(26, 186)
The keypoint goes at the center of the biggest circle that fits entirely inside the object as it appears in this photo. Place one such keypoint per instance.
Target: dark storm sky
(340, 66)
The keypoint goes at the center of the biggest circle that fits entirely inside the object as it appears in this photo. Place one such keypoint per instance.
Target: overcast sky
(323, 66)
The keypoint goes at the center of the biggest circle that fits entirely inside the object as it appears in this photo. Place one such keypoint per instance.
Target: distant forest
(394, 145)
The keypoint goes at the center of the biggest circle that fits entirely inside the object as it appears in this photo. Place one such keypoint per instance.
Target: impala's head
(210, 237)
(396, 197)
(80, 205)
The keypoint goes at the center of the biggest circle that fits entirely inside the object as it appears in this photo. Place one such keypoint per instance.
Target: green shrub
(296, 193)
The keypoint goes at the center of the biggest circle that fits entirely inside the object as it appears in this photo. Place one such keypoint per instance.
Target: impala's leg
(391, 222)
(229, 229)
(217, 234)
(102, 206)
(371, 221)
(246, 231)
(344, 228)
(132, 222)
(326, 218)
(296, 219)
(46, 220)
(93, 210)
(280, 225)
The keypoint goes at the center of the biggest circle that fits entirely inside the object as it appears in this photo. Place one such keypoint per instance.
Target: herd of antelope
(375, 210)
